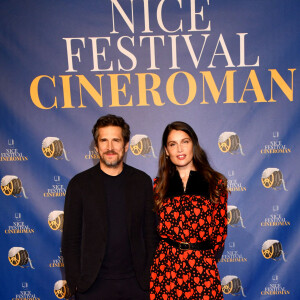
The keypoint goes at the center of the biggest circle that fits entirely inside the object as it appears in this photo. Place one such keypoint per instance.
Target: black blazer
(85, 226)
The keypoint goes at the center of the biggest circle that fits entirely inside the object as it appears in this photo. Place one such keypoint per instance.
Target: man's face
(111, 146)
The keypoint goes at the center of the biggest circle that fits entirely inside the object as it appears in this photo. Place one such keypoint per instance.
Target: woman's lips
(181, 156)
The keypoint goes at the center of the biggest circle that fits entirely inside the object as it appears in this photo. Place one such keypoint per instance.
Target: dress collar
(196, 185)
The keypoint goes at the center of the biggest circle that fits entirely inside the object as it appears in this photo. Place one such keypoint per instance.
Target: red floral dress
(189, 217)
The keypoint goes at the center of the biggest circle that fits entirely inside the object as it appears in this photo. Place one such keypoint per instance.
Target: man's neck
(112, 171)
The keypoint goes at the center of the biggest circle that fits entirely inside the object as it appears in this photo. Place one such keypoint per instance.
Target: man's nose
(109, 145)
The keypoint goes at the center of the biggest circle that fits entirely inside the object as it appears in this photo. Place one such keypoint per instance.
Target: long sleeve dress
(189, 216)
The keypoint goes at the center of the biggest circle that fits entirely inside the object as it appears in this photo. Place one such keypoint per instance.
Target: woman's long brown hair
(217, 182)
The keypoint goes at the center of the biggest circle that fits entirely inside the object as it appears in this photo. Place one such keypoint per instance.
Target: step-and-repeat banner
(228, 68)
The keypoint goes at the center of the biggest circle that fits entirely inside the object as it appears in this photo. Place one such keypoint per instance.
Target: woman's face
(180, 149)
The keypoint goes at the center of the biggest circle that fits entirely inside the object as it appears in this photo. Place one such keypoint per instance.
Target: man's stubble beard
(112, 164)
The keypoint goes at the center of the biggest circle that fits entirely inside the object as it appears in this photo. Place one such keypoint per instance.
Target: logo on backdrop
(18, 226)
(275, 146)
(57, 189)
(12, 185)
(140, 144)
(275, 288)
(275, 219)
(53, 147)
(56, 220)
(25, 293)
(19, 256)
(92, 155)
(57, 262)
(273, 249)
(230, 142)
(234, 217)
(61, 289)
(233, 184)
(12, 153)
(232, 285)
(273, 178)
(232, 255)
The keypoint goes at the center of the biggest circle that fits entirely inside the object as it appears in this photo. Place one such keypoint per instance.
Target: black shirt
(117, 262)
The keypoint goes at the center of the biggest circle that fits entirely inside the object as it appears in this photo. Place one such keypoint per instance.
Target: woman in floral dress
(191, 203)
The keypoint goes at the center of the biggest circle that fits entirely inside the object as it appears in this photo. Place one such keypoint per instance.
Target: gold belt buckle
(186, 246)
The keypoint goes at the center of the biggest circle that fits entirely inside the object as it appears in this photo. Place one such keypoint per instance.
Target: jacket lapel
(129, 197)
(98, 197)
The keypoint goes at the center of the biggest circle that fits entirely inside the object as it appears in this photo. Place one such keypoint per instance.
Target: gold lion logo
(272, 249)
(140, 144)
(12, 185)
(234, 216)
(18, 256)
(56, 220)
(232, 285)
(61, 290)
(272, 178)
(230, 142)
(53, 147)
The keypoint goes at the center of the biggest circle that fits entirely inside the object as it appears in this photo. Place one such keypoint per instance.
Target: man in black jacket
(109, 234)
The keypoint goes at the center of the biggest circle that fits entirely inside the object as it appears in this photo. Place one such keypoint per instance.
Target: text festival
(114, 62)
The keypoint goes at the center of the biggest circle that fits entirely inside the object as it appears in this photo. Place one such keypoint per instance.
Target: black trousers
(114, 289)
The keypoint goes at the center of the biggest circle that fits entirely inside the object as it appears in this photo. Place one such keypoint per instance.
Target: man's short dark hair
(111, 120)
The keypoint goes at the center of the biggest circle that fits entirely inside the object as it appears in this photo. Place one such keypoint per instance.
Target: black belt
(206, 245)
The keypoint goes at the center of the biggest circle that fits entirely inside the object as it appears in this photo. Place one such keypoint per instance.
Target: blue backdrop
(228, 68)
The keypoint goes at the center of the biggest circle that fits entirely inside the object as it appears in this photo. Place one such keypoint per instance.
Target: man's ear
(96, 148)
(126, 147)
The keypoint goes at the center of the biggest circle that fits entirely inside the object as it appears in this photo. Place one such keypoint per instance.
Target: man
(109, 225)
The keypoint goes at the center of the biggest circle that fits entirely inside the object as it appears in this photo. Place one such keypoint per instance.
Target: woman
(191, 203)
